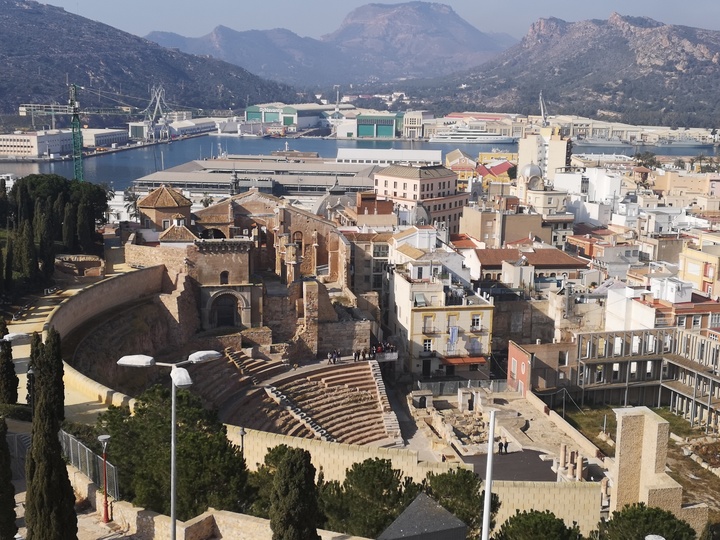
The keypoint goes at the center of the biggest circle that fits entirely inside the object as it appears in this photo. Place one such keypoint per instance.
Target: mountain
(375, 42)
(42, 47)
(632, 69)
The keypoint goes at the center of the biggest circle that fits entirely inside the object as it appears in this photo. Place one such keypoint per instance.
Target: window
(474, 367)
(681, 321)
(697, 320)
(616, 372)
(166, 224)
(563, 358)
(427, 345)
(513, 369)
(476, 323)
(224, 277)
(715, 320)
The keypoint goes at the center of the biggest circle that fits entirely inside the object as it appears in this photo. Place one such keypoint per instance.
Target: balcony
(430, 330)
(478, 330)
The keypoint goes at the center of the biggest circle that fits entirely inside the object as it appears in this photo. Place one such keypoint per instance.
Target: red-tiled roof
(164, 197)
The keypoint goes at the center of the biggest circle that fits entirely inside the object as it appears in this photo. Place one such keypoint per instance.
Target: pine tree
(8, 529)
(58, 212)
(50, 501)
(294, 510)
(8, 378)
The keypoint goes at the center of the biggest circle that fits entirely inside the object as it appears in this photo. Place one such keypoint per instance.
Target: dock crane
(72, 109)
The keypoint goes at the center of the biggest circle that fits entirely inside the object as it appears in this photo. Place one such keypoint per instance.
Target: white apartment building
(446, 327)
(36, 144)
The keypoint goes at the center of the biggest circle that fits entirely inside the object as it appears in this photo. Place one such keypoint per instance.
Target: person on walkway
(500, 447)
(329, 358)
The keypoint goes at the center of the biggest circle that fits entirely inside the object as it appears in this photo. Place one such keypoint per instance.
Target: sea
(119, 169)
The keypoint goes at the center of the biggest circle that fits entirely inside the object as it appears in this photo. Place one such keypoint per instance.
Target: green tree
(131, 204)
(49, 501)
(460, 492)
(85, 227)
(536, 525)
(8, 379)
(371, 497)
(69, 227)
(260, 482)
(52, 357)
(294, 510)
(27, 253)
(9, 263)
(638, 521)
(210, 470)
(47, 247)
(8, 529)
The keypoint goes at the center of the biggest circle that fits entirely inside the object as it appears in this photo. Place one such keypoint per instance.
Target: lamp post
(180, 379)
(104, 439)
(242, 433)
(31, 391)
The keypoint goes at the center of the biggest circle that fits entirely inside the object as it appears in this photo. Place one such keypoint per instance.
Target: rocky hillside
(633, 69)
(381, 42)
(42, 47)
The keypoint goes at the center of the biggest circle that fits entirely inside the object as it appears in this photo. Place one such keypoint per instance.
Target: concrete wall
(571, 501)
(103, 296)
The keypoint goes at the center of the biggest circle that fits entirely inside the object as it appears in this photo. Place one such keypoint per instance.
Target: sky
(314, 18)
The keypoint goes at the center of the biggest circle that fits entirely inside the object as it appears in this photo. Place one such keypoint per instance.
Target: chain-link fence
(81, 457)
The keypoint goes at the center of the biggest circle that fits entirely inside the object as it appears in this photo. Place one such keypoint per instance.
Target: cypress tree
(8, 529)
(85, 226)
(27, 254)
(47, 247)
(58, 211)
(2, 274)
(50, 501)
(9, 256)
(69, 227)
(52, 354)
(8, 378)
(294, 510)
(38, 215)
(36, 349)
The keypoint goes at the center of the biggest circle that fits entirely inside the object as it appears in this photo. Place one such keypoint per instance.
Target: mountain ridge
(36, 64)
(633, 69)
(374, 42)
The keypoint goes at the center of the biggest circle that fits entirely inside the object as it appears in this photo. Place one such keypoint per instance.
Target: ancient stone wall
(174, 259)
(347, 336)
(103, 296)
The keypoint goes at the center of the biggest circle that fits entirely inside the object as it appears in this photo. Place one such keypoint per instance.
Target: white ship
(458, 134)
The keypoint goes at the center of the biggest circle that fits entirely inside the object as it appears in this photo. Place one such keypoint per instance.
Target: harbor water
(119, 169)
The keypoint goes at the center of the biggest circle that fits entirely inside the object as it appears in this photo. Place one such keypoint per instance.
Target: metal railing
(448, 388)
(89, 463)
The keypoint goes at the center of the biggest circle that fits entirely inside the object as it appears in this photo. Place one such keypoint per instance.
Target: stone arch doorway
(224, 310)
(227, 308)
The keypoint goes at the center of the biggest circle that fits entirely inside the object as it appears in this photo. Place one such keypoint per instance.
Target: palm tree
(131, 204)
(699, 159)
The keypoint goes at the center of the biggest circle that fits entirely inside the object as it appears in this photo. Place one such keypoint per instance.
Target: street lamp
(242, 433)
(31, 390)
(180, 379)
(104, 439)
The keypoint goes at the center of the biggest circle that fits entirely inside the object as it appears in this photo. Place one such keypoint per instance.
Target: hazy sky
(313, 18)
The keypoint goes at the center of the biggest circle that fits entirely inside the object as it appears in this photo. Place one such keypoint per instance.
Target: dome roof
(530, 170)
